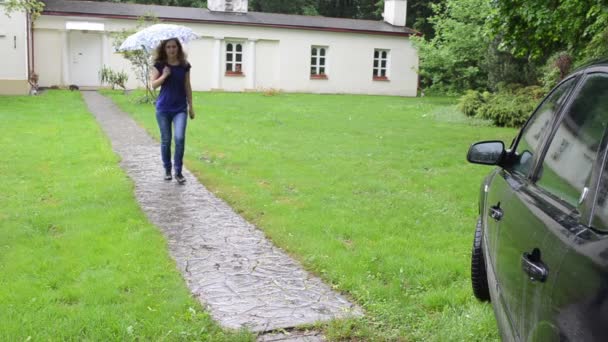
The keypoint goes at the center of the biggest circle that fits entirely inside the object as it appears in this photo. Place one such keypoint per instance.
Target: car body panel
(571, 303)
(580, 301)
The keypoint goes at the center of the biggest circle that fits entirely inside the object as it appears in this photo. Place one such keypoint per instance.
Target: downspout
(32, 76)
(27, 36)
(31, 50)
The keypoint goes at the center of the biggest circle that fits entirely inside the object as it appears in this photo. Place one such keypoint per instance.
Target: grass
(78, 259)
(371, 193)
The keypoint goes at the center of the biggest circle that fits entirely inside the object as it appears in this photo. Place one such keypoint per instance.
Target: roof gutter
(184, 20)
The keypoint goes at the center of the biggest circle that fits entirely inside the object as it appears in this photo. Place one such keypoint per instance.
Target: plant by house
(140, 59)
(113, 78)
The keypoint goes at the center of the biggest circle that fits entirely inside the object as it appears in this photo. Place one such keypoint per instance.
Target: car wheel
(479, 277)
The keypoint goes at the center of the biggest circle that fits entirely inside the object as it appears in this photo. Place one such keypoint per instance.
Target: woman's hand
(157, 78)
(191, 112)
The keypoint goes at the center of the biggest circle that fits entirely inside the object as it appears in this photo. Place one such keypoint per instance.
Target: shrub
(113, 78)
(536, 93)
(558, 66)
(510, 108)
(470, 102)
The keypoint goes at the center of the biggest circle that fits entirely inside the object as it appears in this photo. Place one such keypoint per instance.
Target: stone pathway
(238, 275)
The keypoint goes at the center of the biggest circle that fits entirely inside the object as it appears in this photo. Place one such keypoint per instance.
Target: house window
(234, 59)
(381, 65)
(318, 62)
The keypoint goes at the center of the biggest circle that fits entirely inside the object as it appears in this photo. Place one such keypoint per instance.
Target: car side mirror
(486, 152)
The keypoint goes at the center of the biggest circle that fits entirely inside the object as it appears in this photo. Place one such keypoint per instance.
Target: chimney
(394, 12)
(234, 6)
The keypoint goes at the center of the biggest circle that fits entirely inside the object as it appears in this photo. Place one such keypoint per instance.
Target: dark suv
(540, 252)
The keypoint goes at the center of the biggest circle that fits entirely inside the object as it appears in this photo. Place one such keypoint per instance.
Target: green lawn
(78, 259)
(371, 193)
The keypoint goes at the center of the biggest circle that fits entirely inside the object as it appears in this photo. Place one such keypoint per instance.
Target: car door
(509, 205)
(575, 170)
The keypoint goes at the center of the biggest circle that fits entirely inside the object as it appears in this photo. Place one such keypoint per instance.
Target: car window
(539, 124)
(570, 157)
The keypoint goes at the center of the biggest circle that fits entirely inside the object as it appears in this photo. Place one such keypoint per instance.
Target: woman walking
(171, 73)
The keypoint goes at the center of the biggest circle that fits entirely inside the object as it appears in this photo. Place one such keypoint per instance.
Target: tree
(503, 68)
(139, 59)
(33, 8)
(338, 8)
(452, 60)
(538, 29)
(598, 31)
(181, 3)
(284, 6)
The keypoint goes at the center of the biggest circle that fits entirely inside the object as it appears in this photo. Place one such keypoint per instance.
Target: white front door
(85, 58)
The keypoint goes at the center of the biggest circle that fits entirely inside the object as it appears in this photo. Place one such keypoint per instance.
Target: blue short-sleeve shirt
(172, 97)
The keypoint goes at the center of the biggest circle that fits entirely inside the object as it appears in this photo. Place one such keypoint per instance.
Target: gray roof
(203, 15)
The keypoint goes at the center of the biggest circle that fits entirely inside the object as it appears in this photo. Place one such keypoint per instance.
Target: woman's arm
(156, 78)
(189, 95)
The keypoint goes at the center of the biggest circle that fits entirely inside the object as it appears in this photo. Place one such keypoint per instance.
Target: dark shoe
(180, 178)
(168, 176)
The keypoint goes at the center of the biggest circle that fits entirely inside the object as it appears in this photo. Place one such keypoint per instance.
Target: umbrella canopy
(150, 37)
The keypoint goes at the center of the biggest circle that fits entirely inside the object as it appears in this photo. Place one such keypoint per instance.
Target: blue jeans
(164, 124)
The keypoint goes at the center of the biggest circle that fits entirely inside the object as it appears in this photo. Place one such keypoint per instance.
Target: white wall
(350, 60)
(51, 50)
(268, 65)
(48, 59)
(350, 64)
(282, 58)
(200, 56)
(13, 44)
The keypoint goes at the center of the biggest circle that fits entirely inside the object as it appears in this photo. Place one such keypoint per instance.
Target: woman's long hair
(160, 55)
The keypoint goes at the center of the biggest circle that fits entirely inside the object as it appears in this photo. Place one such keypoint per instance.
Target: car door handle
(534, 267)
(495, 212)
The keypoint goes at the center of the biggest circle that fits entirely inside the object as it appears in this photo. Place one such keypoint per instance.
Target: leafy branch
(32, 7)
(140, 59)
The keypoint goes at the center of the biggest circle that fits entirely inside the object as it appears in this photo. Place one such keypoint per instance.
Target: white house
(15, 35)
(238, 50)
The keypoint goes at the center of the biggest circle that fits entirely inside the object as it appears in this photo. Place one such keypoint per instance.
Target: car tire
(479, 277)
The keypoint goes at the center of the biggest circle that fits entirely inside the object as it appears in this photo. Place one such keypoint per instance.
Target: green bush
(536, 93)
(470, 102)
(558, 66)
(113, 78)
(510, 106)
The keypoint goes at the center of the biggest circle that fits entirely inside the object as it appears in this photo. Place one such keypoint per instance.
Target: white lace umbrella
(150, 37)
